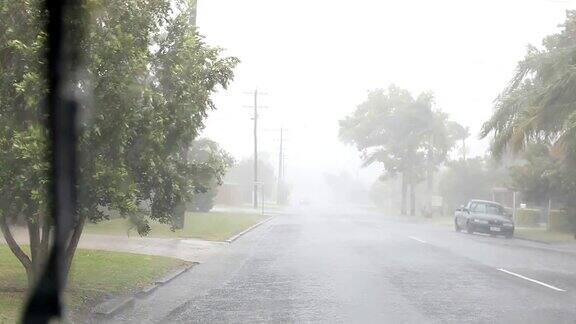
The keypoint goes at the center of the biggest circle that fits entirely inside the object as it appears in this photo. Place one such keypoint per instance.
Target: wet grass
(541, 234)
(213, 226)
(536, 234)
(95, 275)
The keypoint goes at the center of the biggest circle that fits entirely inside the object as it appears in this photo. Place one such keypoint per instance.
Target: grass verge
(95, 275)
(541, 234)
(213, 226)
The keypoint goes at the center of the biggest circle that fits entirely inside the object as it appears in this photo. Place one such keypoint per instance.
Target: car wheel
(456, 227)
(469, 229)
(509, 235)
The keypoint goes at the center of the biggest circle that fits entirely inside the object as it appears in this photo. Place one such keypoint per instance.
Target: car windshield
(287, 161)
(494, 209)
(486, 208)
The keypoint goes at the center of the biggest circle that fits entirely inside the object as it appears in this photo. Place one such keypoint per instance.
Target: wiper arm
(45, 301)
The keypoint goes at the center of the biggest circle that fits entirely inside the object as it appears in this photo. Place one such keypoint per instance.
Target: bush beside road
(561, 221)
(95, 275)
(527, 217)
(542, 235)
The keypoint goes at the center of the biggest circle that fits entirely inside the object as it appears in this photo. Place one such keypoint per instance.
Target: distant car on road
(484, 216)
(304, 202)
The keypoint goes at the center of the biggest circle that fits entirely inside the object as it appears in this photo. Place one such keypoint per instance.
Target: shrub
(527, 217)
(561, 221)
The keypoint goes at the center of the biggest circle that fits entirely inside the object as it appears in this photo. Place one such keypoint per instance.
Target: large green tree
(23, 164)
(403, 133)
(146, 88)
(537, 113)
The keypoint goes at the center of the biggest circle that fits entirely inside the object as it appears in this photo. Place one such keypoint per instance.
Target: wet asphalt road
(345, 266)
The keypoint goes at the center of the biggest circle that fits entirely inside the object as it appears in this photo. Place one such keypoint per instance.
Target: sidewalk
(187, 249)
(249, 209)
(184, 249)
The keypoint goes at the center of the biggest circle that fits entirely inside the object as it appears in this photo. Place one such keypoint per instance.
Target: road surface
(353, 266)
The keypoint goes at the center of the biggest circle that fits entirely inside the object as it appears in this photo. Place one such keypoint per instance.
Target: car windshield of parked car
(478, 208)
(494, 209)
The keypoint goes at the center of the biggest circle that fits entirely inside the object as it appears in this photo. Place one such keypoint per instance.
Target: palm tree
(539, 104)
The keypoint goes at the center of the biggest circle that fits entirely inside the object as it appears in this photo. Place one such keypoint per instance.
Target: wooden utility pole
(255, 189)
(280, 170)
(255, 108)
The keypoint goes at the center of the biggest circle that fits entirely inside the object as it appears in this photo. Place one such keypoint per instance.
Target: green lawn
(538, 234)
(94, 275)
(213, 226)
(541, 234)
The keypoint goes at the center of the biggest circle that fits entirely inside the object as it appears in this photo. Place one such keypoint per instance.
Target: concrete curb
(147, 290)
(237, 236)
(111, 307)
(171, 275)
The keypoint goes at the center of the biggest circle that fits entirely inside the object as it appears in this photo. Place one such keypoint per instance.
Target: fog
(316, 60)
(405, 150)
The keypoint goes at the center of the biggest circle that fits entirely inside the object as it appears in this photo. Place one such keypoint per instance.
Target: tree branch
(45, 240)
(35, 254)
(73, 243)
(13, 245)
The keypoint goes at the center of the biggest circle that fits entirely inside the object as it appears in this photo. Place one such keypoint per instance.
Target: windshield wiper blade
(45, 301)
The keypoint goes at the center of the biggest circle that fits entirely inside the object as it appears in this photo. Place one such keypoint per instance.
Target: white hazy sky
(316, 60)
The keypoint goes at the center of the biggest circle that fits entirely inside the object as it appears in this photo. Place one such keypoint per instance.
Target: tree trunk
(47, 232)
(404, 193)
(16, 249)
(40, 240)
(72, 245)
(412, 198)
(430, 194)
(35, 249)
(429, 178)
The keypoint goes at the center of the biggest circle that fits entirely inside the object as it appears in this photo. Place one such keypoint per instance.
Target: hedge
(561, 221)
(527, 217)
